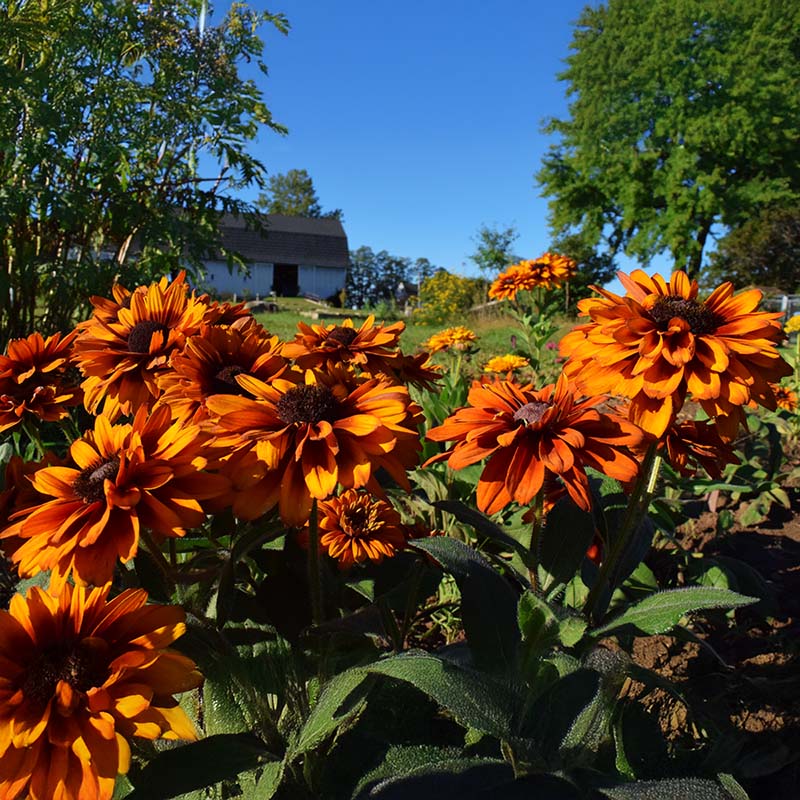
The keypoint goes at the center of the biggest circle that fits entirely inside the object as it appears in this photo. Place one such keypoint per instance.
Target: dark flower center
(82, 666)
(531, 413)
(89, 484)
(695, 314)
(141, 334)
(224, 382)
(343, 336)
(307, 404)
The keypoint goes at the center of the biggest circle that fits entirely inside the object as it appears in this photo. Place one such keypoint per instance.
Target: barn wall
(321, 281)
(259, 281)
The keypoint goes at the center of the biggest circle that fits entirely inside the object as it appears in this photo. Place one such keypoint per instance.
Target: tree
(373, 278)
(122, 137)
(764, 252)
(685, 115)
(293, 194)
(493, 252)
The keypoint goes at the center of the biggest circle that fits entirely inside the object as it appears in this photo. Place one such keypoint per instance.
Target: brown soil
(744, 677)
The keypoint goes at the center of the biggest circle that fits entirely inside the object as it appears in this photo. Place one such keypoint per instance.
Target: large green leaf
(480, 523)
(488, 602)
(475, 699)
(342, 700)
(671, 789)
(567, 533)
(661, 611)
(199, 764)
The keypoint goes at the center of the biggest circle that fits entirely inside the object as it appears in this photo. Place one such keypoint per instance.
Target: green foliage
(493, 249)
(683, 115)
(446, 296)
(764, 251)
(374, 278)
(293, 194)
(660, 612)
(122, 133)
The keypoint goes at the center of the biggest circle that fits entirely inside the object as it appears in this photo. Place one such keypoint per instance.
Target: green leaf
(269, 782)
(567, 534)
(663, 610)
(671, 789)
(473, 698)
(539, 628)
(198, 765)
(342, 701)
(480, 523)
(732, 787)
(493, 637)
(571, 630)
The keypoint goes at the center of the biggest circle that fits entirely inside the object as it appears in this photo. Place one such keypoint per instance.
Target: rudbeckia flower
(691, 444)
(659, 344)
(549, 271)
(458, 338)
(122, 357)
(367, 347)
(785, 398)
(356, 527)
(34, 380)
(529, 437)
(81, 675)
(147, 473)
(210, 362)
(321, 433)
(509, 363)
(793, 325)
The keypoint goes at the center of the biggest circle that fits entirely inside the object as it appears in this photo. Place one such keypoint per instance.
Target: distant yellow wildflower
(459, 338)
(507, 363)
(793, 325)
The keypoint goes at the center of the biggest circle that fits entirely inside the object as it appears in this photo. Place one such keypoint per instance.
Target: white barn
(292, 256)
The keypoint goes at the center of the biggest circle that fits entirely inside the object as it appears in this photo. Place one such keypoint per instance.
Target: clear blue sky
(420, 120)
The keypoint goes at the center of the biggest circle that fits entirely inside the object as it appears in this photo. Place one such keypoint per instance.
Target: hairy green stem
(638, 504)
(314, 570)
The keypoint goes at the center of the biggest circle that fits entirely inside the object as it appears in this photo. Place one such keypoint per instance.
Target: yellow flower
(459, 338)
(793, 325)
(549, 271)
(507, 363)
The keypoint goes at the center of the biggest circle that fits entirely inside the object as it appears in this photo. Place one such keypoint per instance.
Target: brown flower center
(141, 334)
(531, 413)
(312, 404)
(342, 336)
(360, 521)
(89, 485)
(699, 318)
(81, 665)
(224, 382)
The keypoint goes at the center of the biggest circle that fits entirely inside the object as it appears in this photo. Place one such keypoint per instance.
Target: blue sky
(420, 120)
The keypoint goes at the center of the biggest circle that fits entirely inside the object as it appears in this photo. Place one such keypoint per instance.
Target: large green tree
(494, 249)
(764, 252)
(684, 115)
(123, 135)
(293, 193)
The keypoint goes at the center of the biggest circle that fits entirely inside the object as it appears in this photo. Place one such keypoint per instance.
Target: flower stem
(314, 570)
(536, 540)
(637, 508)
(32, 433)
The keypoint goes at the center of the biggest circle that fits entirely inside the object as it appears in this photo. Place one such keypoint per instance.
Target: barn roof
(288, 240)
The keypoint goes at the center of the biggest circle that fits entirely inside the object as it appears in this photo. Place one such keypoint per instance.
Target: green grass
(494, 330)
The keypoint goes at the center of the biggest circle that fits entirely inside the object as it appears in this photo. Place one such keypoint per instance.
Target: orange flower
(367, 347)
(124, 476)
(659, 344)
(210, 362)
(313, 436)
(356, 527)
(693, 444)
(785, 398)
(122, 357)
(508, 363)
(416, 370)
(458, 338)
(79, 677)
(549, 271)
(529, 437)
(33, 379)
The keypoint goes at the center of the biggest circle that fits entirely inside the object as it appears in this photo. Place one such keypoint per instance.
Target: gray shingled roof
(288, 240)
